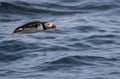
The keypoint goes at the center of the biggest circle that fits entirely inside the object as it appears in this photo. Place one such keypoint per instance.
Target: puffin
(33, 27)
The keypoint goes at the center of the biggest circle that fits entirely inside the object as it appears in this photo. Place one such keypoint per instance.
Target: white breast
(40, 28)
(33, 30)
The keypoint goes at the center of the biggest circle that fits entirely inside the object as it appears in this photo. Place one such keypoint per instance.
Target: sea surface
(85, 44)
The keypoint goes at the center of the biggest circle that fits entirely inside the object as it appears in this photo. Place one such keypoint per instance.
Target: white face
(49, 24)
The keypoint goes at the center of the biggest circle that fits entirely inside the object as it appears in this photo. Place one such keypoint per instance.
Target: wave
(11, 50)
(72, 61)
(8, 57)
(19, 7)
(106, 39)
(77, 59)
(86, 28)
(15, 45)
(13, 8)
(24, 9)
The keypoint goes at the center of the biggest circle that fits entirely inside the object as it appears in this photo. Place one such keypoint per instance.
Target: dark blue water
(85, 45)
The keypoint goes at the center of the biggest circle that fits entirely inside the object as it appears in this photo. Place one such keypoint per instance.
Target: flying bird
(33, 27)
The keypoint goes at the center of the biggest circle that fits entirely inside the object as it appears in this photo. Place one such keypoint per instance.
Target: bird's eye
(49, 24)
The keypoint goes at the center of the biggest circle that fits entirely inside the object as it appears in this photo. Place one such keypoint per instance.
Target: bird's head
(50, 25)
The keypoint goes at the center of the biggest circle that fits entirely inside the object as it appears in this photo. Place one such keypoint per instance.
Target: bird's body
(33, 27)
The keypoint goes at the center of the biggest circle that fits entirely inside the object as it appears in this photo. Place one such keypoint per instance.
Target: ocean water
(85, 44)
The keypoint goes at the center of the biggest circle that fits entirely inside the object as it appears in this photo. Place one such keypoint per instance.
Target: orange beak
(16, 31)
(53, 26)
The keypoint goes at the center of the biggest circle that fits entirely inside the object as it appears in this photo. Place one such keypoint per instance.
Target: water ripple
(14, 46)
(71, 61)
